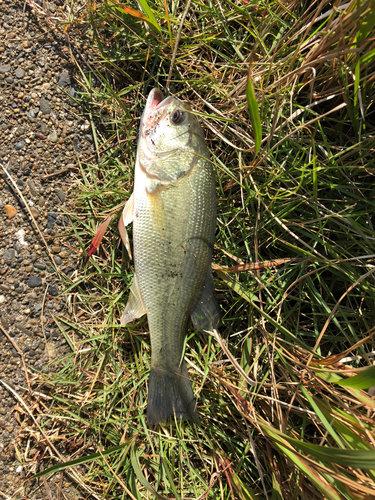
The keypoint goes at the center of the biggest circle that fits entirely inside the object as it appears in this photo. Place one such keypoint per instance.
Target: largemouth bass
(173, 210)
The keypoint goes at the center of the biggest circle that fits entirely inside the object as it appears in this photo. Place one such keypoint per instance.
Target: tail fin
(168, 392)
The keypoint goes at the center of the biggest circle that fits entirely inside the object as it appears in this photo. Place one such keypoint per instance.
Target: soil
(41, 134)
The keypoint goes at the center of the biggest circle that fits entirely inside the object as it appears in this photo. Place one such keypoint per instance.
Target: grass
(282, 415)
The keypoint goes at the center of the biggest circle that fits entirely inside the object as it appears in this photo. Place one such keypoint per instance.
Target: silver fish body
(173, 209)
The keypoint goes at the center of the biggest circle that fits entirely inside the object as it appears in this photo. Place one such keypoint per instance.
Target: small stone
(64, 79)
(25, 44)
(64, 254)
(28, 269)
(34, 212)
(72, 95)
(9, 255)
(55, 249)
(76, 144)
(51, 350)
(35, 281)
(60, 193)
(11, 211)
(57, 259)
(52, 290)
(41, 267)
(4, 68)
(4, 321)
(10, 36)
(41, 201)
(19, 145)
(2, 298)
(32, 188)
(53, 137)
(2, 422)
(45, 107)
(9, 428)
(20, 73)
(31, 116)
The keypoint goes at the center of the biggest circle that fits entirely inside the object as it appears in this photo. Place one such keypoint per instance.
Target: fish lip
(154, 107)
(154, 99)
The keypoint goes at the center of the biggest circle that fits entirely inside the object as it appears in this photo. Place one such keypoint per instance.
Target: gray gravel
(40, 134)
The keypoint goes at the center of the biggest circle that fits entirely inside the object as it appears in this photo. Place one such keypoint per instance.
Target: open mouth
(154, 99)
(155, 103)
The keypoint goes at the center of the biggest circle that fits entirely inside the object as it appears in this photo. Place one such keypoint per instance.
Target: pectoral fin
(125, 219)
(206, 315)
(170, 168)
(134, 308)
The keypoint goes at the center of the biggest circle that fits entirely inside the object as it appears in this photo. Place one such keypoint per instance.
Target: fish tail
(169, 392)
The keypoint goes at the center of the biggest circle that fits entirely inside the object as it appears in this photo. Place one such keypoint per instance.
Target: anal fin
(135, 307)
(206, 315)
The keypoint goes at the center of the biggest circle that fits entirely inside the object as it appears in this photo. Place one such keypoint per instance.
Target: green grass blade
(79, 461)
(141, 478)
(363, 380)
(254, 113)
(315, 477)
(144, 5)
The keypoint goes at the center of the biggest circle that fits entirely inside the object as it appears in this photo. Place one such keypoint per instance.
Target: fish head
(167, 125)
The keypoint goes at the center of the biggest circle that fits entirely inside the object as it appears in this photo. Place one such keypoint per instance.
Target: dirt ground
(41, 134)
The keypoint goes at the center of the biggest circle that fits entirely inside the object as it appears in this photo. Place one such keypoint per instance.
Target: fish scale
(173, 209)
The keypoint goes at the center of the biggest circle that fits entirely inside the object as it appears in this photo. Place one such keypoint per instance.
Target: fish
(173, 211)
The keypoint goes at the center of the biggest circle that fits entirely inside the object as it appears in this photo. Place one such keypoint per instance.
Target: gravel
(41, 134)
(35, 281)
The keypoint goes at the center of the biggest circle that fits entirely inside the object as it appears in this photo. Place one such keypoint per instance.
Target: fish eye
(177, 117)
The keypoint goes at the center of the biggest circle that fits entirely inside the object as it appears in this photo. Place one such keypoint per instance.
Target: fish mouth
(155, 106)
(155, 98)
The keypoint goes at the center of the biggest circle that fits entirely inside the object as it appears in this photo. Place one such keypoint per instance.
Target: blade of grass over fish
(254, 112)
(255, 266)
